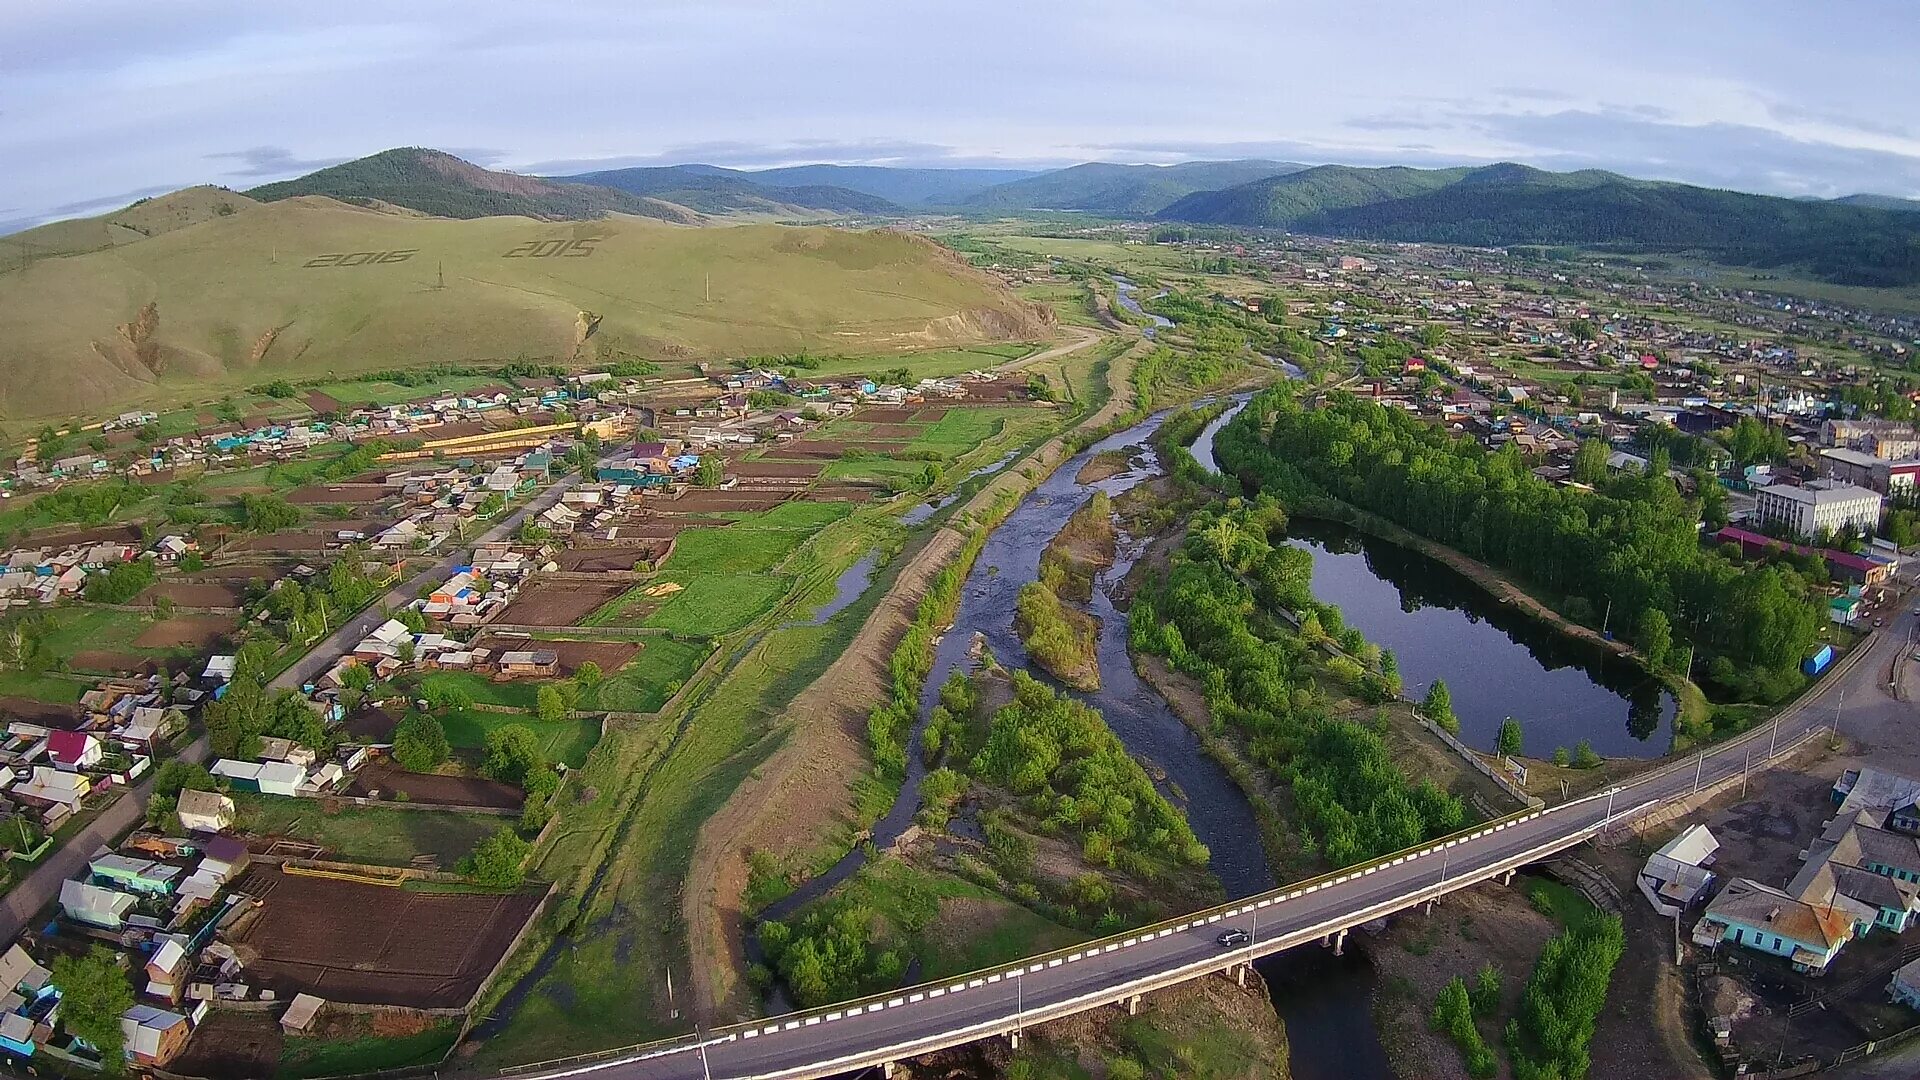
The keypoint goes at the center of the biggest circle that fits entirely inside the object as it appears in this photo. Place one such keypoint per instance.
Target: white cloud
(116, 95)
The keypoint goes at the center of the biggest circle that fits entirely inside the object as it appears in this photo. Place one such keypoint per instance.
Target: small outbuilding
(205, 811)
(1676, 876)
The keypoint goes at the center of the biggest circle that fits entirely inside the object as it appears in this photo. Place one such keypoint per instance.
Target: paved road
(24, 902)
(354, 630)
(922, 1019)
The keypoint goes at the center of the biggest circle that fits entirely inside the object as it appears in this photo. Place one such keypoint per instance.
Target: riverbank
(822, 754)
(1693, 711)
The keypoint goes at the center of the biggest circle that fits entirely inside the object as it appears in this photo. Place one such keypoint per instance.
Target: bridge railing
(1294, 890)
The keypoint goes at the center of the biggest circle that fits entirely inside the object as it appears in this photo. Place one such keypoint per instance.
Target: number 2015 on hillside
(549, 249)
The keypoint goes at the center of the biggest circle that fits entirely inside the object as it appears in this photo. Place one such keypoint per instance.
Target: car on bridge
(1233, 936)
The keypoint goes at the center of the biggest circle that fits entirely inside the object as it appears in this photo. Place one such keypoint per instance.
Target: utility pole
(1699, 766)
(1836, 713)
(1743, 772)
(706, 1070)
(1019, 1000)
(1773, 738)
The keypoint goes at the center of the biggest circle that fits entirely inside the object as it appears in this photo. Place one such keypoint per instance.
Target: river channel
(1496, 661)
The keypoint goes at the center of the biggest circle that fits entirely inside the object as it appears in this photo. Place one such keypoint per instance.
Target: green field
(649, 679)
(566, 741)
(49, 688)
(925, 363)
(365, 834)
(304, 1057)
(713, 604)
(516, 694)
(755, 542)
(605, 992)
(72, 630)
(382, 392)
(238, 299)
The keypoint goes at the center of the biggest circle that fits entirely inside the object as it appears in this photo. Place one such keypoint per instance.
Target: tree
(412, 618)
(498, 859)
(512, 754)
(1583, 330)
(550, 706)
(1485, 992)
(1590, 462)
(1584, 756)
(588, 675)
(192, 561)
(1654, 636)
(120, 583)
(173, 775)
(1510, 737)
(711, 471)
(1437, 706)
(267, 513)
(93, 994)
(420, 743)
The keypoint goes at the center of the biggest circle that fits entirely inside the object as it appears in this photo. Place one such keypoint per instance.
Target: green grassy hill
(1512, 204)
(307, 286)
(445, 186)
(1132, 190)
(148, 217)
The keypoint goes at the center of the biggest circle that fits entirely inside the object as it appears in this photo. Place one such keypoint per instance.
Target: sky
(105, 101)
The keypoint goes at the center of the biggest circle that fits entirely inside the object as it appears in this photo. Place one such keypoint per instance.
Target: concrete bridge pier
(1506, 878)
(1340, 943)
(1240, 975)
(1133, 1005)
(888, 1069)
(1013, 1038)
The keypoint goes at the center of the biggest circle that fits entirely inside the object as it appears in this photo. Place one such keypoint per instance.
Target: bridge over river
(1002, 1002)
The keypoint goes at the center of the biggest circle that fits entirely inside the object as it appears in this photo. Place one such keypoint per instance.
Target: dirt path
(1082, 336)
(825, 750)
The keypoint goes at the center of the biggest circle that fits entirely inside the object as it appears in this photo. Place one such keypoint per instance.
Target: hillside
(1880, 202)
(907, 187)
(148, 217)
(305, 286)
(445, 186)
(1137, 190)
(718, 191)
(1512, 204)
(1281, 201)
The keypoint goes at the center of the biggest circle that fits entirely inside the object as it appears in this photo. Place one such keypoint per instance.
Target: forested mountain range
(1127, 190)
(713, 190)
(1842, 241)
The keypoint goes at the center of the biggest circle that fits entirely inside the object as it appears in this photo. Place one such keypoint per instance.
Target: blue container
(1818, 660)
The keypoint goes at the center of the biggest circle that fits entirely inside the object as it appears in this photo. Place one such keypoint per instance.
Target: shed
(204, 811)
(153, 1035)
(91, 904)
(1676, 876)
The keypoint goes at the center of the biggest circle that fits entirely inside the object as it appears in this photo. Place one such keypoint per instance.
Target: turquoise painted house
(1766, 919)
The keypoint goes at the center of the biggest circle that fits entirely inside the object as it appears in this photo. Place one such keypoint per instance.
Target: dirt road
(42, 884)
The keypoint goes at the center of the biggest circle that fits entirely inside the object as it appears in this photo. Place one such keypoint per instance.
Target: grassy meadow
(244, 297)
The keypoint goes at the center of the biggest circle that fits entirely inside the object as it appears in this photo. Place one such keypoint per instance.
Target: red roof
(67, 747)
(1857, 563)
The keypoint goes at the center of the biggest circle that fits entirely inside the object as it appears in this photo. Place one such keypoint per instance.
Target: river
(1497, 661)
(1325, 1002)
(1123, 291)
